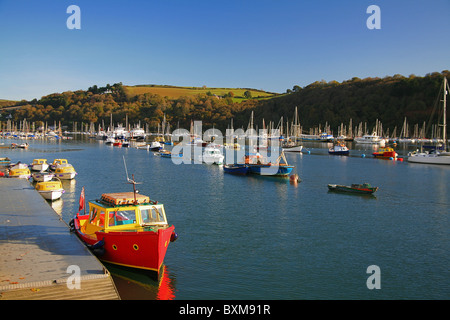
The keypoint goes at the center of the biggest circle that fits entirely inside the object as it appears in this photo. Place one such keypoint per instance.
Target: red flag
(82, 204)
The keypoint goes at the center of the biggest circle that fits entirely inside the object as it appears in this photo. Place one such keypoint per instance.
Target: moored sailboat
(435, 156)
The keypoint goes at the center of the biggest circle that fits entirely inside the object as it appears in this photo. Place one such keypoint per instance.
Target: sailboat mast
(444, 134)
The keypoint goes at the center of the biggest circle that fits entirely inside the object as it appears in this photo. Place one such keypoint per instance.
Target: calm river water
(265, 238)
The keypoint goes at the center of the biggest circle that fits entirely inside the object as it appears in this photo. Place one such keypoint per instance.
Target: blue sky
(263, 44)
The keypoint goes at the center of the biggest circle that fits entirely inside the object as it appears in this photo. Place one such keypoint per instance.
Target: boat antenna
(126, 172)
(131, 181)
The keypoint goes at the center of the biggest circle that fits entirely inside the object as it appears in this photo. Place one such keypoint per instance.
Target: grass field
(176, 92)
(7, 103)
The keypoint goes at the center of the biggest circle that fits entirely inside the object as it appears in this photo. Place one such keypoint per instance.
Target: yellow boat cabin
(123, 211)
(63, 169)
(57, 162)
(39, 161)
(50, 190)
(48, 186)
(19, 171)
(39, 165)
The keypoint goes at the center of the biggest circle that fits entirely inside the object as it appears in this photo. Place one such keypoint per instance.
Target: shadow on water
(353, 194)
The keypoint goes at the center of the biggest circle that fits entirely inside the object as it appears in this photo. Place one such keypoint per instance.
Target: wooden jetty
(37, 248)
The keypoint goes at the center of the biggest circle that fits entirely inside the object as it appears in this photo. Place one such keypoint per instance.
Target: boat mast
(444, 125)
(131, 181)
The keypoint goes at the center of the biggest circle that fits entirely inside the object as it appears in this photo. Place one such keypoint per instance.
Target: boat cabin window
(122, 217)
(97, 217)
(153, 215)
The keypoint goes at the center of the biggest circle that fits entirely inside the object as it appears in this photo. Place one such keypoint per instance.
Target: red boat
(126, 229)
(386, 153)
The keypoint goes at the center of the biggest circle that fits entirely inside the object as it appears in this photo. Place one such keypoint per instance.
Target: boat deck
(36, 249)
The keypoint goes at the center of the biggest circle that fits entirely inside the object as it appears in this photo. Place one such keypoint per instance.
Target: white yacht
(213, 155)
(370, 139)
(137, 134)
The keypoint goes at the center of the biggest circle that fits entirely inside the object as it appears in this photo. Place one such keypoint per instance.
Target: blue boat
(239, 169)
(326, 137)
(4, 161)
(258, 165)
(168, 154)
(270, 169)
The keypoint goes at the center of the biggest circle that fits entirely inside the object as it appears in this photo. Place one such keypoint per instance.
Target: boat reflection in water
(134, 284)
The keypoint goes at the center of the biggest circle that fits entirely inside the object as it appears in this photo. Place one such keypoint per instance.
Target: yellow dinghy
(57, 162)
(50, 190)
(39, 165)
(19, 170)
(65, 171)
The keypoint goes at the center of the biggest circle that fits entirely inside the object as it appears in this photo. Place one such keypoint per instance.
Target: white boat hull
(66, 176)
(40, 167)
(441, 158)
(293, 149)
(51, 195)
(213, 160)
(382, 143)
(42, 177)
(212, 155)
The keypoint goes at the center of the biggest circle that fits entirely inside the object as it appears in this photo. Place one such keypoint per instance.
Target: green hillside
(389, 100)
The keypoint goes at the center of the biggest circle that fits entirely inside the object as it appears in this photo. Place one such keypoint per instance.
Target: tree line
(389, 99)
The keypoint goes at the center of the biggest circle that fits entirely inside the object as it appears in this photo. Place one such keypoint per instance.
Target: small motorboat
(65, 171)
(142, 146)
(165, 153)
(110, 140)
(295, 148)
(155, 146)
(19, 170)
(4, 161)
(168, 154)
(22, 145)
(39, 165)
(364, 188)
(339, 149)
(57, 162)
(125, 228)
(259, 165)
(386, 153)
(238, 169)
(325, 137)
(212, 155)
(50, 190)
(291, 146)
